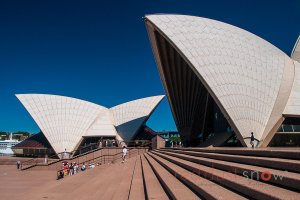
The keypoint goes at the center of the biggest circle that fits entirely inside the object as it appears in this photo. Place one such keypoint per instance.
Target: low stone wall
(11, 160)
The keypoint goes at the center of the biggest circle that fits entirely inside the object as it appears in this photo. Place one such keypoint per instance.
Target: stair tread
(124, 183)
(137, 185)
(177, 190)
(289, 179)
(288, 153)
(290, 164)
(206, 188)
(153, 187)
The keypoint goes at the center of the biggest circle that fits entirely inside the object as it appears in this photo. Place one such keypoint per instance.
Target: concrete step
(173, 186)
(285, 153)
(94, 183)
(274, 163)
(248, 187)
(154, 190)
(124, 183)
(278, 177)
(137, 184)
(203, 187)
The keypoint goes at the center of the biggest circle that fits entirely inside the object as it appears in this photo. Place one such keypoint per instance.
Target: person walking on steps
(124, 151)
(252, 140)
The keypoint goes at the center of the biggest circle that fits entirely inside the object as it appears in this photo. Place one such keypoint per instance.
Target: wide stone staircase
(190, 173)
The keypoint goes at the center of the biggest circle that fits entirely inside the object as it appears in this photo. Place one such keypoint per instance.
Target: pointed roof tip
(158, 97)
(162, 96)
(149, 97)
(18, 95)
(295, 54)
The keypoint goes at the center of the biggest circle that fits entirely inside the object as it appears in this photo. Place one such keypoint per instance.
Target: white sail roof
(129, 116)
(65, 120)
(249, 78)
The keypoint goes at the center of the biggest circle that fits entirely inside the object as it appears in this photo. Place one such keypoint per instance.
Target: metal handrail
(34, 161)
(114, 159)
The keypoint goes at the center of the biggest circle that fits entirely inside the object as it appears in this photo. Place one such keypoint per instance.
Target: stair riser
(285, 182)
(293, 167)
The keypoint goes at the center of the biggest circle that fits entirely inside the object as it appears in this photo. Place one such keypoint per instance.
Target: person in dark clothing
(71, 170)
(18, 164)
(252, 140)
(83, 168)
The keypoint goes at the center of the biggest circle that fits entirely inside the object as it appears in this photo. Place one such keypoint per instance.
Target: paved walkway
(14, 184)
(111, 181)
(189, 173)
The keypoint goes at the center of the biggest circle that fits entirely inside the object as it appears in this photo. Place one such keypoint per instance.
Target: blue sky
(99, 50)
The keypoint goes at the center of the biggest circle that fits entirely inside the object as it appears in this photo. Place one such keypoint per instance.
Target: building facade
(222, 79)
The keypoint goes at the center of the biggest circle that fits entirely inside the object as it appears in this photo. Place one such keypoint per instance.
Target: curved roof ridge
(60, 96)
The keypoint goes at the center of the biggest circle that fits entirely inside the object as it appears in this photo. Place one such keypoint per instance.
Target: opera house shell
(220, 78)
(65, 121)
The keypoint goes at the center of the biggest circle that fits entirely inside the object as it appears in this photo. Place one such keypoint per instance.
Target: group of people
(107, 143)
(70, 169)
(73, 168)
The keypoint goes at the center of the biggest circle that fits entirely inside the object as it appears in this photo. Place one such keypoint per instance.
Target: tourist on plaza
(83, 167)
(61, 173)
(46, 159)
(65, 167)
(18, 164)
(68, 169)
(124, 151)
(92, 166)
(75, 166)
(66, 154)
(71, 172)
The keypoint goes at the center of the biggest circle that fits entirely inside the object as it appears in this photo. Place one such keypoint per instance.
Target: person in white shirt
(124, 153)
(46, 159)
